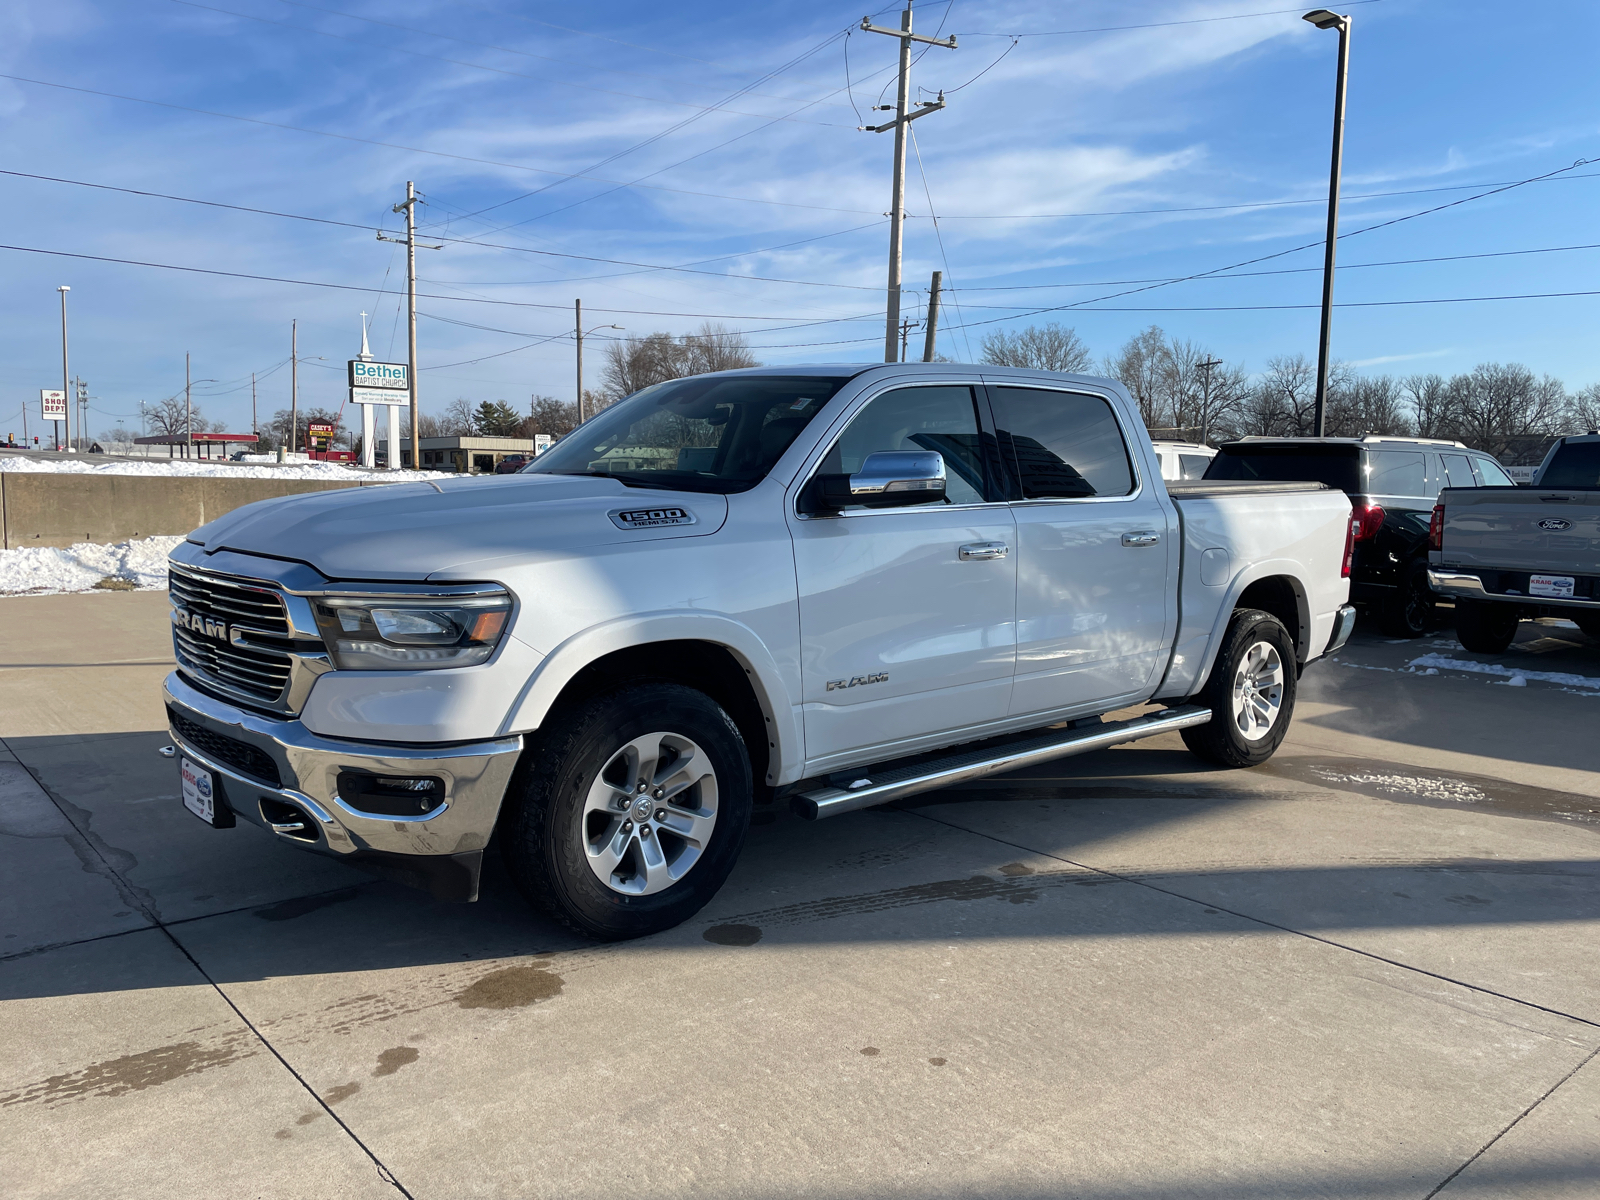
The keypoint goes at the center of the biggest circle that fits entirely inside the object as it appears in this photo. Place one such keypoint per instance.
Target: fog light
(391, 795)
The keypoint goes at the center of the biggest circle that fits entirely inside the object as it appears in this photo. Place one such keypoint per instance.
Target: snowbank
(198, 467)
(42, 570)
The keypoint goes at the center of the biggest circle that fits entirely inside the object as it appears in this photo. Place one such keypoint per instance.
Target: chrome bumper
(474, 775)
(1468, 586)
(1344, 622)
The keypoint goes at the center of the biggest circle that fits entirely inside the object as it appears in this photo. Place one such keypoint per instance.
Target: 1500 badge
(835, 685)
(650, 518)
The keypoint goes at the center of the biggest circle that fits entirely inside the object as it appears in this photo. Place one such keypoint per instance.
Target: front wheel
(1250, 693)
(630, 811)
(1485, 627)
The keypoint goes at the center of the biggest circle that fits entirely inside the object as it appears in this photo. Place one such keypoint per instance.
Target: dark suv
(1393, 484)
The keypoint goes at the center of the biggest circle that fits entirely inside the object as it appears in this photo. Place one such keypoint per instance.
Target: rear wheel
(1410, 612)
(1250, 693)
(1485, 627)
(630, 811)
(1589, 622)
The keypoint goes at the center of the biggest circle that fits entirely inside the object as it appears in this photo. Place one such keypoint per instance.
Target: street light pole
(188, 412)
(64, 289)
(577, 308)
(1323, 18)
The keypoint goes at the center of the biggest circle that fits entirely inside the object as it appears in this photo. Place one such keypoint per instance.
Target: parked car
(1392, 483)
(1183, 460)
(605, 669)
(511, 464)
(1534, 552)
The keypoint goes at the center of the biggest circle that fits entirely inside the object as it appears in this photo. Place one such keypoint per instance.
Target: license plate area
(1557, 587)
(202, 795)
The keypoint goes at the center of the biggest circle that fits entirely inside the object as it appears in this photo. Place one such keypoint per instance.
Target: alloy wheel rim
(649, 813)
(1258, 691)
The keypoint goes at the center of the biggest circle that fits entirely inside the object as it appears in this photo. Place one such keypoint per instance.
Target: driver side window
(944, 419)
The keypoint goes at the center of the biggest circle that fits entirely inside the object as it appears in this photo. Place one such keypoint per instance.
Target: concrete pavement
(1365, 969)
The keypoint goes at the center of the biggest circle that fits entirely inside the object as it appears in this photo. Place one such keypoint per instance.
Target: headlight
(411, 632)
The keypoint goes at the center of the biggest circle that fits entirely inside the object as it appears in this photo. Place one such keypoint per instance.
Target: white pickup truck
(834, 586)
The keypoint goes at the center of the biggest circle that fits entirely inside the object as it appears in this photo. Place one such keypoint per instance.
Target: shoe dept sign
(379, 383)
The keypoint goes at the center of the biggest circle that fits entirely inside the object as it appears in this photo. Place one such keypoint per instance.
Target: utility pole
(1322, 18)
(294, 382)
(902, 120)
(577, 309)
(409, 207)
(188, 411)
(83, 413)
(933, 317)
(56, 432)
(905, 336)
(1205, 401)
(254, 428)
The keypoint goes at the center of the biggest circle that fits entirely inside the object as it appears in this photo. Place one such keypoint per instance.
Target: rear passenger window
(1458, 471)
(1064, 445)
(1493, 476)
(1395, 473)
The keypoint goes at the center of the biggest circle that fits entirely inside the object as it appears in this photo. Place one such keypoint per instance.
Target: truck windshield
(1338, 468)
(707, 433)
(1576, 465)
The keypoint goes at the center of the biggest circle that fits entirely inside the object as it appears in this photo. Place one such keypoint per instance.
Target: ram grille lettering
(835, 685)
(197, 623)
(650, 518)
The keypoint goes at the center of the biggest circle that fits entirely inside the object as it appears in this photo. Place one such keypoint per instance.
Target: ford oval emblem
(1554, 524)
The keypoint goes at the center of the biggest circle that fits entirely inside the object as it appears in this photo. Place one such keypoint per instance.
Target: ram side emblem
(650, 518)
(1554, 524)
(835, 685)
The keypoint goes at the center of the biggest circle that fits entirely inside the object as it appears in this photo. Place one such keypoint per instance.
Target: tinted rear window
(1336, 468)
(1397, 473)
(1576, 465)
(1065, 444)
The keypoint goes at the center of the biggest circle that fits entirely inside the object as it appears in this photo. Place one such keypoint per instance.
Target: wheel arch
(717, 655)
(1272, 587)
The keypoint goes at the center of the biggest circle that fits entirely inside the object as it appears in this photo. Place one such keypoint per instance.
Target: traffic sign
(52, 404)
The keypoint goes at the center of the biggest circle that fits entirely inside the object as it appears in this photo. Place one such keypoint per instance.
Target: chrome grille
(252, 658)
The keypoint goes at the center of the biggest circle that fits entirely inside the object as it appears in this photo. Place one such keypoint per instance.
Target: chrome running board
(896, 783)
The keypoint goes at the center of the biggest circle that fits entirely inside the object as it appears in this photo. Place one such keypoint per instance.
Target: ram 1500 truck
(834, 586)
(1505, 554)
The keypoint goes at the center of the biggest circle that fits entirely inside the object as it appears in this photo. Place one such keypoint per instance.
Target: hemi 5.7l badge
(835, 685)
(650, 518)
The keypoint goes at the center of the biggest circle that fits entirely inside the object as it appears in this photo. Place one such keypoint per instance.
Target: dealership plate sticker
(199, 793)
(1556, 586)
(650, 518)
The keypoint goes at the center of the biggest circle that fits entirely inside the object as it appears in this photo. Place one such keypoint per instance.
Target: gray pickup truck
(1506, 554)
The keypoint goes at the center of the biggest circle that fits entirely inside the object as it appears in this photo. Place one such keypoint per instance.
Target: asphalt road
(1364, 969)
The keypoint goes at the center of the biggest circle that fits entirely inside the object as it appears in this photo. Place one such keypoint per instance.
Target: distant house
(467, 455)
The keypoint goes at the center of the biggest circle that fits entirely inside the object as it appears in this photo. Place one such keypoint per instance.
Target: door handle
(1144, 537)
(984, 551)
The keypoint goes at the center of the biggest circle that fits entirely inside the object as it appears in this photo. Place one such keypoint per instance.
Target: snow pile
(1457, 790)
(1514, 676)
(83, 567)
(219, 468)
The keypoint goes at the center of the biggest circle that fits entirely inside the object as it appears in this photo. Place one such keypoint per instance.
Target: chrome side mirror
(889, 479)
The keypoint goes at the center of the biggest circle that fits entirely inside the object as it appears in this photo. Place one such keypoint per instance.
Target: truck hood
(458, 527)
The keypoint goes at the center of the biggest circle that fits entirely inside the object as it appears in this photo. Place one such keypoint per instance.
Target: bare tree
(1284, 401)
(1141, 366)
(549, 415)
(1585, 412)
(172, 418)
(1429, 400)
(276, 430)
(457, 420)
(1039, 348)
(639, 362)
(1497, 405)
(1359, 405)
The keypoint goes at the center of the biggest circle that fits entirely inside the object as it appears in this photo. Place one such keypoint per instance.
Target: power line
(1276, 12)
(491, 162)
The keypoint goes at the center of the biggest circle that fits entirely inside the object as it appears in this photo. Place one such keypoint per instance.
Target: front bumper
(439, 851)
(1465, 585)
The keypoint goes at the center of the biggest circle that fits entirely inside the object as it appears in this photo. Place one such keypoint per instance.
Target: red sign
(319, 435)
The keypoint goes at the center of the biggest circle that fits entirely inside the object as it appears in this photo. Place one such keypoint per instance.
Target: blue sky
(592, 145)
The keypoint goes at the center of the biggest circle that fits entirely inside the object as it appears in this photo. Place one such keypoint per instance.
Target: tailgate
(1526, 529)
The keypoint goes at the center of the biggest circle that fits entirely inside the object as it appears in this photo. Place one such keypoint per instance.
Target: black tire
(546, 831)
(1223, 740)
(1589, 622)
(1410, 612)
(1485, 627)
